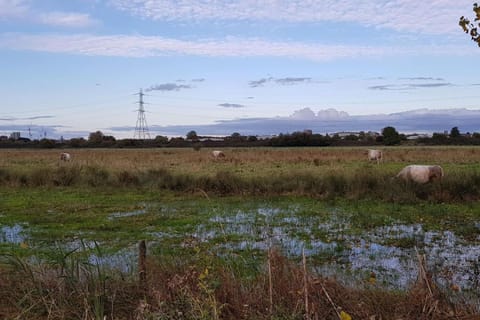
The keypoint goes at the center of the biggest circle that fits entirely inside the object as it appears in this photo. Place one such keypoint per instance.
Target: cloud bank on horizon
(333, 121)
(211, 63)
(324, 121)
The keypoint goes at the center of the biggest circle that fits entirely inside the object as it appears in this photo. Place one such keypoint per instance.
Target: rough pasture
(319, 172)
(266, 160)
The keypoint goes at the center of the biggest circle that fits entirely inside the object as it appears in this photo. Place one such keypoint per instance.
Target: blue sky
(72, 67)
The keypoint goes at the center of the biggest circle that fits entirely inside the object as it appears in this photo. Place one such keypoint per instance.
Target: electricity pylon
(141, 128)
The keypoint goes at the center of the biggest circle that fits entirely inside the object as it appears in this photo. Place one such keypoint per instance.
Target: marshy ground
(213, 228)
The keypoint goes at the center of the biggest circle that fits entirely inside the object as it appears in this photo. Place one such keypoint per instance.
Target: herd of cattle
(416, 173)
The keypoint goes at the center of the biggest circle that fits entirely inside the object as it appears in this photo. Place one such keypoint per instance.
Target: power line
(141, 128)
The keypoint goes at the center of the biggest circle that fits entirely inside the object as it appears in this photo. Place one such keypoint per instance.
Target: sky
(68, 68)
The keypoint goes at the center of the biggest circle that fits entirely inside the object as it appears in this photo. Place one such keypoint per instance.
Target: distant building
(373, 134)
(266, 137)
(308, 132)
(202, 139)
(415, 136)
(344, 134)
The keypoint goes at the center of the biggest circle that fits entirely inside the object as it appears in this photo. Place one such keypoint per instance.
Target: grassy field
(318, 172)
(245, 161)
(213, 228)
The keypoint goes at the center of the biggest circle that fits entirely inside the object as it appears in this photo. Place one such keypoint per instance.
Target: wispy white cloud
(410, 86)
(143, 46)
(22, 10)
(427, 17)
(147, 46)
(231, 105)
(13, 8)
(168, 87)
(281, 81)
(67, 19)
(25, 118)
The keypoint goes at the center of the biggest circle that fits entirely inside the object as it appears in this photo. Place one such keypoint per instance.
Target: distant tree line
(389, 136)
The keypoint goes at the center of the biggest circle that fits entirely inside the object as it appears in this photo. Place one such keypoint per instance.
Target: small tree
(454, 133)
(161, 139)
(471, 28)
(192, 135)
(95, 137)
(390, 136)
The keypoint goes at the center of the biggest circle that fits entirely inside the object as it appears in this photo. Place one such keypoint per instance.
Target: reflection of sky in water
(349, 257)
(124, 261)
(12, 234)
(116, 215)
(451, 258)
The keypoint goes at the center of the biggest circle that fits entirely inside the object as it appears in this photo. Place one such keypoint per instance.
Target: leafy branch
(471, 28)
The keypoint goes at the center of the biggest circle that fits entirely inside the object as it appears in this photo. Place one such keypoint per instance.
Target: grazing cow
(65, 156)
(217, 154)
(376, 155)
(421, 173)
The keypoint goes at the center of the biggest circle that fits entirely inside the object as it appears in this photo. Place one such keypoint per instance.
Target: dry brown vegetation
(181, 290)
(187, 160)
(319, 172)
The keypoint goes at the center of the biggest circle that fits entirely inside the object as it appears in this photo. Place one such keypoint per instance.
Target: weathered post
(142, 267)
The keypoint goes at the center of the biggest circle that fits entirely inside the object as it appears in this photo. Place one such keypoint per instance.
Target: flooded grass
(362, 244)
(347, 239)
(12, 234)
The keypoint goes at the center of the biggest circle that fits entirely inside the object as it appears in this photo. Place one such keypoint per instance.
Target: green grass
(60, 213)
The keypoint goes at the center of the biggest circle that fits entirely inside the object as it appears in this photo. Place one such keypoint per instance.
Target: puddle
(12, 234)
(124, 261)
(453, 260)
(326, 238)
(117, 215)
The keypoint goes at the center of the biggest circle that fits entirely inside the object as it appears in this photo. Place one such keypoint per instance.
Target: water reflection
(12, 234)
(387, 251)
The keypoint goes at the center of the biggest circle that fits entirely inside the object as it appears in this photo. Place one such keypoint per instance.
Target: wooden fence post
(142, 267)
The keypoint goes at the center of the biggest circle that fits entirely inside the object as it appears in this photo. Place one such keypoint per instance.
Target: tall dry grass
(319, 172)
(201, 289)
(191, 160)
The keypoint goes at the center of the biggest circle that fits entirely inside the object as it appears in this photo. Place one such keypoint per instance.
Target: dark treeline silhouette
(389, 137)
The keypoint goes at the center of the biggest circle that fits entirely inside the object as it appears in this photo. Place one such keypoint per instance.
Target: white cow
(217, 154)
(376, 155)
(64, 156)
(421, 173)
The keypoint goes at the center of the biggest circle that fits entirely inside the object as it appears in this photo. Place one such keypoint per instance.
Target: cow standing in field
(64, 156)
(217, 154)
(421, 173)
(376, 155)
